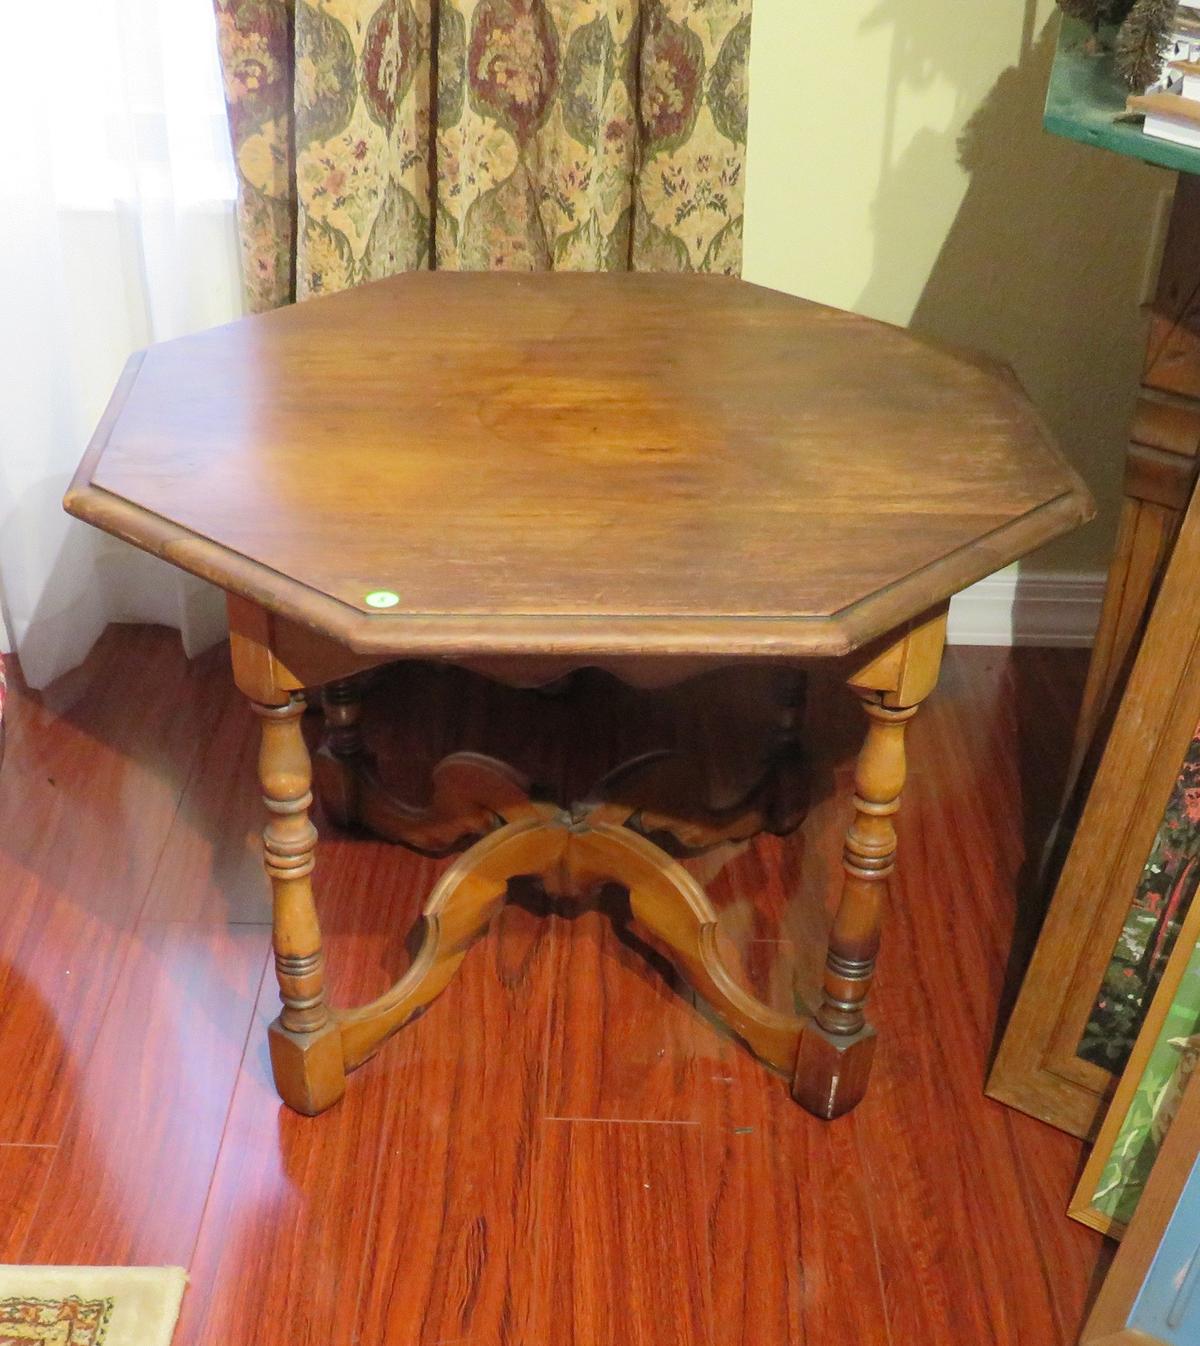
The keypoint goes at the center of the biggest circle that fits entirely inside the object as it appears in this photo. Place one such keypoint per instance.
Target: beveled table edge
(450, 635)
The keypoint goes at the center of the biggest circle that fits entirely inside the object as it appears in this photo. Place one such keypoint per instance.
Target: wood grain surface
(71, 894)
(622, 1252)
(23, 1173)
(563, 1149)
(1038, 1068)
(561, 463)
(167, 1054)
(1160, 474)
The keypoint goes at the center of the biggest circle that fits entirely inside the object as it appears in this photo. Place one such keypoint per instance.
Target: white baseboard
(1027, 608)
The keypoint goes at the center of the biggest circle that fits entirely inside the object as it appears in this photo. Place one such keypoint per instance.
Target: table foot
(832, 1070)
(309, 1070)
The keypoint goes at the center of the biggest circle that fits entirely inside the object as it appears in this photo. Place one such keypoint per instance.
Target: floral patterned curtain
(376, 136)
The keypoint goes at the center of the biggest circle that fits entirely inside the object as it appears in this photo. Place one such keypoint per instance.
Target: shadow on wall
(1044, 263)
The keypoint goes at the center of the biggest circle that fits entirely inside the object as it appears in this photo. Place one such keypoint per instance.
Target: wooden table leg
(837, 1048)
(306, 1048)
(343, 759)
(572, 851)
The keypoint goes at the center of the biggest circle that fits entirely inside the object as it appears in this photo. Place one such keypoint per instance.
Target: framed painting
(1128, 881)
(1151, 1295)
(1148, 1097)
(1164, 894)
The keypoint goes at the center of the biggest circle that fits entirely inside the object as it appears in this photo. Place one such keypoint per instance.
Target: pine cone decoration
(1143, 40)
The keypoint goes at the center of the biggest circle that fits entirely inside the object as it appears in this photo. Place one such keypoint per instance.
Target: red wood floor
(563, 1150)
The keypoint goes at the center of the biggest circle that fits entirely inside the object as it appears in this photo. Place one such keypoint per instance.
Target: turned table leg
(833, 1064)
(837, 1049)
(342, 761)
(573, 851)
(306, 1050)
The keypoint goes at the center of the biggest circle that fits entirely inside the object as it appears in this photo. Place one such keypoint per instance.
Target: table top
(502, 463)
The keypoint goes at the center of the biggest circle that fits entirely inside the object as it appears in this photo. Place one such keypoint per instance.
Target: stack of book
(1172, 105)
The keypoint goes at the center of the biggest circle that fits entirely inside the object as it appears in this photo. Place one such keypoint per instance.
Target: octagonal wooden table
(527, 474)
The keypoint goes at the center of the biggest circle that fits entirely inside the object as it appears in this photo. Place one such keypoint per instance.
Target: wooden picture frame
(1182, 968)
(1037, 1068)
(1150, 1296)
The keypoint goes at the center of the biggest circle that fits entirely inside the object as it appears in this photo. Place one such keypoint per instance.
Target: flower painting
(1152, 1108)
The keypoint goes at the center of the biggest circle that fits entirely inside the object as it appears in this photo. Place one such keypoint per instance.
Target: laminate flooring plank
(286, 1232)
(132, 1172)
(211, 868)
(24, 1170)
(945, 1185)
(622, 1242)
(451, 1245)
(92, 779)
(790, 1224)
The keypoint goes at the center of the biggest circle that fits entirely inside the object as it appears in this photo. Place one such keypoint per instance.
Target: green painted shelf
(1084, 97)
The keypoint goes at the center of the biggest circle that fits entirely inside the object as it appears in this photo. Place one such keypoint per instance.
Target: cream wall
(897, 167)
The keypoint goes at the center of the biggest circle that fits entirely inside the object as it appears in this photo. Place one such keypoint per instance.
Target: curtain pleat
(372, 138)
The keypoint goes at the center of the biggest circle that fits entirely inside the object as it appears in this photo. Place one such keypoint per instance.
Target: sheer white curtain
(116, 230)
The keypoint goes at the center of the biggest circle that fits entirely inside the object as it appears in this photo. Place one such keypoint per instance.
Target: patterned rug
(89, 1306)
